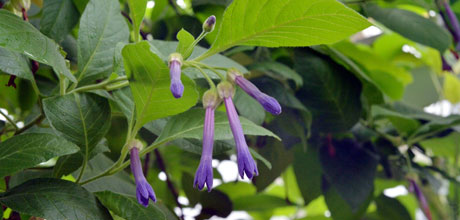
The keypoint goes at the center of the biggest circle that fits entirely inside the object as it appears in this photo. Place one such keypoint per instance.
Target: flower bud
(225, 89)
(211, 99)
(209, 24)
(175, 63)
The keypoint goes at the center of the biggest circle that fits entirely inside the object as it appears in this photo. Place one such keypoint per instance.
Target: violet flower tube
(453, 21)
(143, 189)
(246, 164)
(175, 64)
(269, 103)
(204, 173)
(413, 188)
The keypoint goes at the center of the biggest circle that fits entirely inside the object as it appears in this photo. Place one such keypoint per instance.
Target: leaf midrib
(82, 73)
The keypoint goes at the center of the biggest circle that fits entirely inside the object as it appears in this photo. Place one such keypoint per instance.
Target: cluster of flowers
(211, 100)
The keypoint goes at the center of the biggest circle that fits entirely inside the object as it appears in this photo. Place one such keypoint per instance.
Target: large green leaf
(20, 36)
(190, 125)
(59, 17)
(330, 92)
(27, 150)
(260, 202)
(350, 169)
(277, 23)
(101, 27)
(308, 172)
(452, 88)
(81, 118)
(390, 208)
(15, 63)
(128, 207)
(149, 81)
(137, 11)
(54, 199)
(248, 107)
(411, 26)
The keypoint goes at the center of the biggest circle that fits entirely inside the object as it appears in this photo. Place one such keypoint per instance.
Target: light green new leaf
(59, 17)
(185, 42)
(54, 199)
(83, 119)
(28, 150)
(15, 63)
(190, 125)
(452, 88)
(282, 23)
(101, 27)
(137, 11)
(128, 207)
(411, 26)
(20, 36)
(149, 80)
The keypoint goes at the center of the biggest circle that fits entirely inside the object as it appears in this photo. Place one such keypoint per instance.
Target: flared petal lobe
(144, 190)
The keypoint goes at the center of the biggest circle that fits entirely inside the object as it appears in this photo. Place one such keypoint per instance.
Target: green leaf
(350, 169)
(137, 11)
(190, 125)
(15, 63)
(330, 92)
(411, 26)
(452, 88)
(83, 119)
(338, 206)
(385, 75)
(27, 150)
(279, 70)
(280, 159)
(308, 172)
(59, 17)
(164, 48)
(390, 208)
(259, 202)
(54, 199)
(120, 182)
(20, 36)
(280, 23)
(185, 43)
(101, 27)
(128, 207)
(149, 81)
(403, 123)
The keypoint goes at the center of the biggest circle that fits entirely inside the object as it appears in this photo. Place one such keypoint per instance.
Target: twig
(146, 164)
(9, 120)
(32, 123)
(173, 190)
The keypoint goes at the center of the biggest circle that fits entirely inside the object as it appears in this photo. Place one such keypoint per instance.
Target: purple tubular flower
(204, 173)
(413, 188)
(143, 189)
(246, 163)
(453, 21)
(175, 63)
(269, 103)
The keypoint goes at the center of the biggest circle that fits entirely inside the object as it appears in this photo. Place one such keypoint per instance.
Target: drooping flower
(246, 164)
(209, 24)
(269, 103)
(175, 64)
(144, 190)
(414, 188)
(204, 173)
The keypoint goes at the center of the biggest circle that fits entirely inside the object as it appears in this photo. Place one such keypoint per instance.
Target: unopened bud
(225, 89)
(211, 99)
(209, 24)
